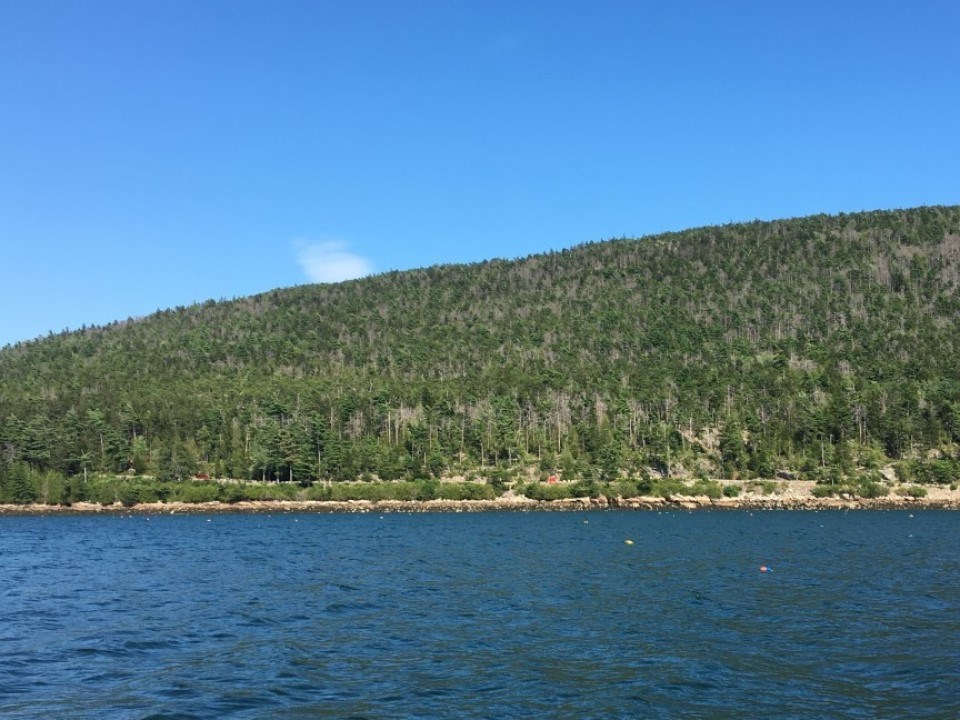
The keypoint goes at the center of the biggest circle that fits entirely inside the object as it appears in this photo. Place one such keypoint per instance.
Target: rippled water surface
(496, 615)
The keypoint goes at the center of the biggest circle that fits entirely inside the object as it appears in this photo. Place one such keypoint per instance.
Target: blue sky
(156, 153)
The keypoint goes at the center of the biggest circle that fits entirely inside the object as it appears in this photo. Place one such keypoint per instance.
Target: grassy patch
(711, 488)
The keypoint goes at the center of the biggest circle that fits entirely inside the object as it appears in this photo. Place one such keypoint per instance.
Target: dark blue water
(500, 615)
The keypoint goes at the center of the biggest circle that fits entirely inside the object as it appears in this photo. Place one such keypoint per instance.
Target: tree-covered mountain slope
(821, 342)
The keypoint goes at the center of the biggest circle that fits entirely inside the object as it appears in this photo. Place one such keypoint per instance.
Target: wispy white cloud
(331, 262)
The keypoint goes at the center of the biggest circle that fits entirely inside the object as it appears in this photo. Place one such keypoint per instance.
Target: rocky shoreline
(941, 501)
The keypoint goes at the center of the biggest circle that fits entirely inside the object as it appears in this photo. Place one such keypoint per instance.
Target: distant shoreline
(946, 500)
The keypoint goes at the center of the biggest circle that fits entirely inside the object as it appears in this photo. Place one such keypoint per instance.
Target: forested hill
(822, 342)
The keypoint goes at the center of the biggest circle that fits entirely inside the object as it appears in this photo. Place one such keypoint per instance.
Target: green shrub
(939, 471)
(624, 488)
(144, 492)
(665, 487)
(102, 490)
(127, 495)
(916, 491)
(400, 490)
(376, 491)
(872, 490)
(429, 490)
(496, 483)
(196, 492)
(587, 488)
(731, 491)
(274, 491)
(906, 470)
(466, 491)
(711, 488)
(543, 491)
(827, 475)
(319, 492)
(233, 494)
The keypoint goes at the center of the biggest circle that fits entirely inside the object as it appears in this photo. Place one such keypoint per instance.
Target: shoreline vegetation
(823, 350)
(128, 495)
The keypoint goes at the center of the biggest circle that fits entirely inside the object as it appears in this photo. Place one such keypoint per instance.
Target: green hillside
(826, 346)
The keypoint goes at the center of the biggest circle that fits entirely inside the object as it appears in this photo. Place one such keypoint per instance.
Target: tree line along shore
(826, 346)
(110, 493)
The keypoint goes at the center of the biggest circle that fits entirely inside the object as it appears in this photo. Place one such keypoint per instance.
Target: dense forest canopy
(821, 344)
